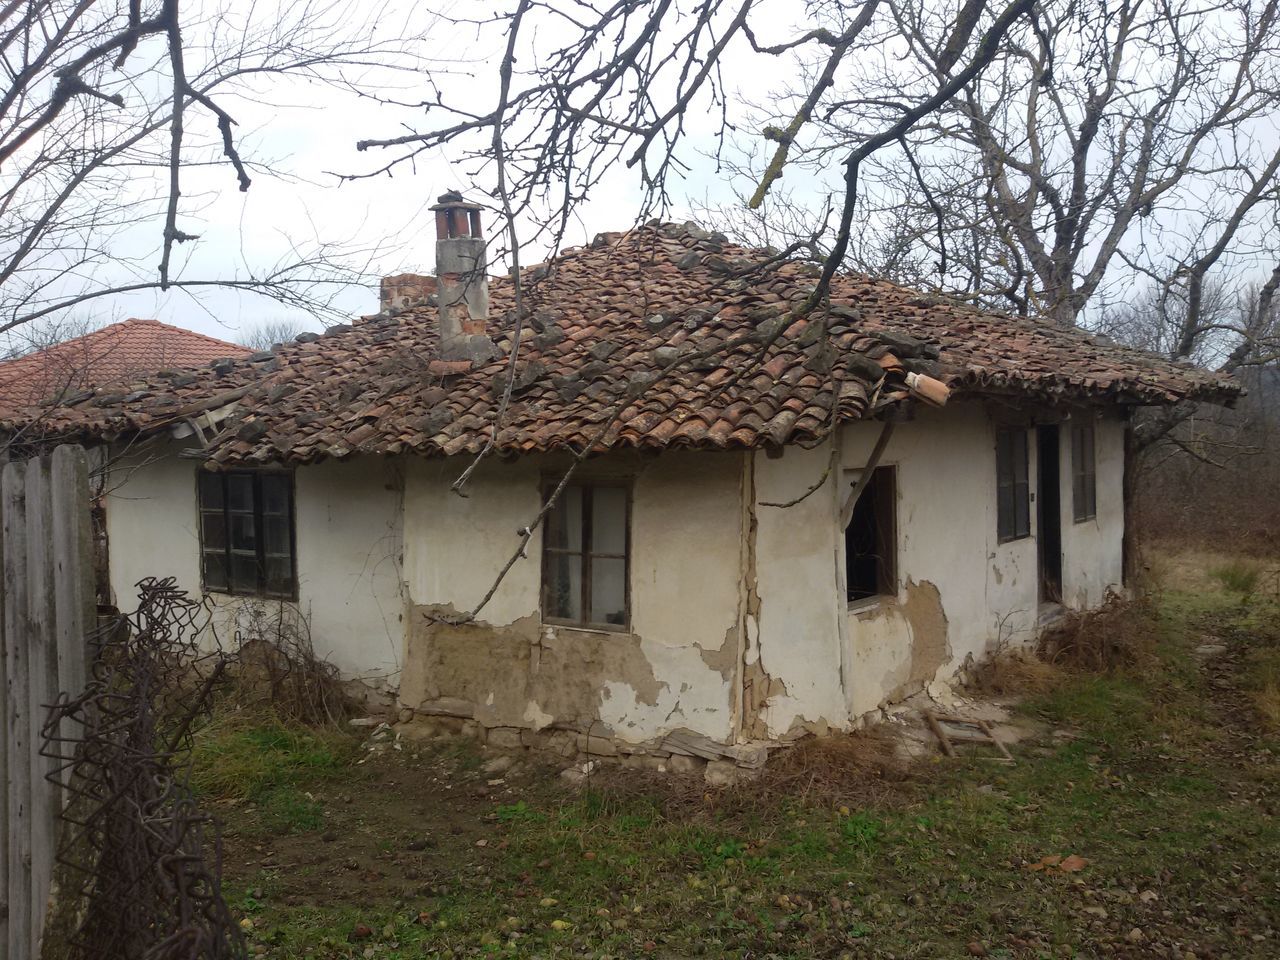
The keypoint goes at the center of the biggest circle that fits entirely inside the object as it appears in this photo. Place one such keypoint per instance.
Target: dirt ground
(1140, 820)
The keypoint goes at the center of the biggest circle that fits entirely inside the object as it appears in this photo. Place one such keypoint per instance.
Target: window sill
(867, 604)
(605, 630)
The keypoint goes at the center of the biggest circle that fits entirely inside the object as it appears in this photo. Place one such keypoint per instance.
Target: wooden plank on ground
(17, 692)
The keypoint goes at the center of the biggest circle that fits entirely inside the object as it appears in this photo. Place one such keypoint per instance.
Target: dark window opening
(1013, 492)
(247, 534)
(585, 556)
(1084, 474)
(870, 540)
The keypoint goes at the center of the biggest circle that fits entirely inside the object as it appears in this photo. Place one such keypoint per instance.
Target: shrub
(1119, 634)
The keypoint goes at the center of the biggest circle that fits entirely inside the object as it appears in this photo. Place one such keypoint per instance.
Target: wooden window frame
(587, 485)
(259, 527)
(1084, 475)
(1008, 529)
(885, 476)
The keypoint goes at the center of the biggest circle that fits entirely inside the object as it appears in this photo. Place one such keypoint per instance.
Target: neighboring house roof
(607, 320)
(114, 354)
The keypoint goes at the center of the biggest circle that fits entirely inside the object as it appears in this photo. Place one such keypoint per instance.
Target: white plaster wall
(685, 576)
(796, 556)
(348, 553)
(946, 522)
(1092, 550)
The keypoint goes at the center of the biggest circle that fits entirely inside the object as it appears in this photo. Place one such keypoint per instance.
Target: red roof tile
(116, 353)
(607, 322)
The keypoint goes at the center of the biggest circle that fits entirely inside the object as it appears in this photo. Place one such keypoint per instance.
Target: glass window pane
(280, 576)
(211, 491)
(243, 533)
(244, 573)
(563, 574)
(240, 491)
(276, 536)
(213, 530)
(609, 590)
(1020, 456)
(215, 571)
(564, 522)
(275, 494)
(608, 520)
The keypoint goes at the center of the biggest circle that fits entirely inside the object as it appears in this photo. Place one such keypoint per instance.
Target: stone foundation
(680, 752)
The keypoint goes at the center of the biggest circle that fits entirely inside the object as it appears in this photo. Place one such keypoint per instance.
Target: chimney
(462, 287)
(406, 290)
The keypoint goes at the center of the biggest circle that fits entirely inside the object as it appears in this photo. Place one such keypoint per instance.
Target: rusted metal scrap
(139, 862)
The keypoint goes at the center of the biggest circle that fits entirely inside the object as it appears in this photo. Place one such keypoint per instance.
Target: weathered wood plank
(4, 732)
(17, 692)
(75, 608)
(42, 645)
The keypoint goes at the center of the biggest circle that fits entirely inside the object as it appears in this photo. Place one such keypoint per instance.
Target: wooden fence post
(17, 690)
(4, 728)
(75, 612)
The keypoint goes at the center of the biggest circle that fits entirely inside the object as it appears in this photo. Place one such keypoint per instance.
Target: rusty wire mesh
(139, 863)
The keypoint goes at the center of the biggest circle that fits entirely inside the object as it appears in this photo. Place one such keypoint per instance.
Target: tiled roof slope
(607, 320)
(115, 353)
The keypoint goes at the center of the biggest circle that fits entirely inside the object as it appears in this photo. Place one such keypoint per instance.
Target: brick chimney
(462, 287)
(406, 290)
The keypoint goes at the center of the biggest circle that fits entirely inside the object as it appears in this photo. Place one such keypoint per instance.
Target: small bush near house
(1239, 576)
(1118, 635)
(1013, 673)
(1262, 678)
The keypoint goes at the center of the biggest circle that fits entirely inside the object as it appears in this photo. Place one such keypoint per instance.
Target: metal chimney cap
(452, 200)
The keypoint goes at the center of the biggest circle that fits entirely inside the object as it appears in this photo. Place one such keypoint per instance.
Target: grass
(256, 759)
(1238, 575)
(1162, 783)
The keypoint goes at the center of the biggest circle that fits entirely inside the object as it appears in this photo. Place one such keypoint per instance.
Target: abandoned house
(705, 575)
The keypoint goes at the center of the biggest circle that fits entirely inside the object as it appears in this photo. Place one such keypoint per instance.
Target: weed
(1118, 635)
(1239, 576)
(860, 830)
(244, 756)
(286, 809)
(1262, 679)
(518, 812)
(1014, 673)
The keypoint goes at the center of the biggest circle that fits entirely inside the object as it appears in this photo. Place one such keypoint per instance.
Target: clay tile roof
(605, 322)
(115, 353)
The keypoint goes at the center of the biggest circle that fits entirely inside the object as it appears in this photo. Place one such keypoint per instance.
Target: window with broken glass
(870, 540)
(1013, 491)
(585, 556)
(247, 533)
(1084, 473)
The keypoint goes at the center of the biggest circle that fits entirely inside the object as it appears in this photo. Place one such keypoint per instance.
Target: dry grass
(864, 765)
(1013, 673)
(1121, 634)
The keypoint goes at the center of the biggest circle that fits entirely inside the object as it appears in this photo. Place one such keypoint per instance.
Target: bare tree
(1110, 146)
(268, 333)
(110, 109)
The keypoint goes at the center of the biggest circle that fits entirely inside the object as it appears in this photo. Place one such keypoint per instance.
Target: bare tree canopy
(113, 107)
(267, 334)
(1107, 148)
(585, 88)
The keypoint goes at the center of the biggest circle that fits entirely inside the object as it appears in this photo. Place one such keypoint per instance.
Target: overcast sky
(309, 130)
